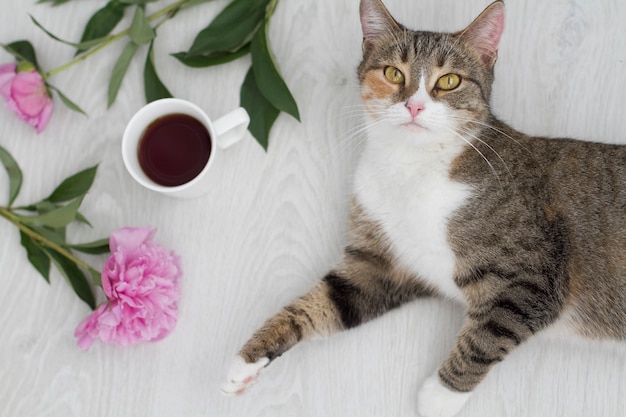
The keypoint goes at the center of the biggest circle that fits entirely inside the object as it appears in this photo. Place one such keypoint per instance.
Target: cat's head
(428, 85)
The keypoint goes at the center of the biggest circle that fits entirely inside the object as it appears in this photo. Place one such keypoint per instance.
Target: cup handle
(231, 127)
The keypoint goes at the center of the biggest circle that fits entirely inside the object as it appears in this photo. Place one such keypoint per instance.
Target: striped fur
(364, 285)
(536, 229)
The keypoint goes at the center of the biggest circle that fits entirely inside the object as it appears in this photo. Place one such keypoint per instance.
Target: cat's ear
(376, 22)
(484, 33)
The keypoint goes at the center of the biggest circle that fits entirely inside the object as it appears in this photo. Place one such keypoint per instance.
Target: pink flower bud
(26, 95)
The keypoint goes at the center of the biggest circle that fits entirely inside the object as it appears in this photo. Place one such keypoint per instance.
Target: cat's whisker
(469, 142)
(348, 140)
(491, 127)
(354, 134)
(359, 130)
(369, 112)
(355, 117)
(364, 108)
(351, 114)
(474, 136)
(356, 114)
(356, 111)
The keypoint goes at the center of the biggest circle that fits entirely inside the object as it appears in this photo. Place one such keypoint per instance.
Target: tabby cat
(449, 201)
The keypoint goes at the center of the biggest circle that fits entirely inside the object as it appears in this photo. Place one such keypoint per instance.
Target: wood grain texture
(274, 223)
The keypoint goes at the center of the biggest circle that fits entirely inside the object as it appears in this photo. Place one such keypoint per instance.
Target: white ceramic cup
(223, 132)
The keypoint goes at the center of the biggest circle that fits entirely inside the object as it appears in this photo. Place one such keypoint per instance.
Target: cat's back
(569, 191)
(587, 184)
(587, 181)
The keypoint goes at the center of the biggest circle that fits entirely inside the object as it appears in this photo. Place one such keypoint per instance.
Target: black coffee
(174, 149)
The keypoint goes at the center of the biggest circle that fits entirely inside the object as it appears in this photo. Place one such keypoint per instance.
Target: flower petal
(29, 92)
(130, 238)
(86, 332)
(7, 73)
(44, 116)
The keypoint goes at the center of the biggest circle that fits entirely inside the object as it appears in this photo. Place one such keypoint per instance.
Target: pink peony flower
(140, 280)
(26, 95)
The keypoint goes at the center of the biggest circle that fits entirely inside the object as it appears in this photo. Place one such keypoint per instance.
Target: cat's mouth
(414, 126)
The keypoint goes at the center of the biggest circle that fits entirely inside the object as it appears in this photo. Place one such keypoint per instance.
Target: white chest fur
(408, 191)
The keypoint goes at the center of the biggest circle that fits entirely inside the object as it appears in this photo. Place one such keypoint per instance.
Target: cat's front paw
(242, 375)
(436, 400)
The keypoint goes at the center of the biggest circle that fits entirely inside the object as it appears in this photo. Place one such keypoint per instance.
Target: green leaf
(119, 71)
(81, 45)
(140, 30)
(36, 256)
(22, 50)
(102, 22)
(262, 113)
(267, 76)
(59, 217)
(216, 58)
(192, 3)
(41, 207)
(69, 103)
(14, 172)
(96, 277)
(45, 206)
(96, 247)
(231, 28)
(82, 219)
(54, 235)
(74, 276)
(153, 86)
(54, 2)
(74, 186)
(137, 1)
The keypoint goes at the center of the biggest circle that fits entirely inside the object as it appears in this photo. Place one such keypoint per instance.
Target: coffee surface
(174, 149)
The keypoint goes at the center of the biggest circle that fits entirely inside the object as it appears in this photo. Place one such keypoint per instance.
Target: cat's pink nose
(415, 107)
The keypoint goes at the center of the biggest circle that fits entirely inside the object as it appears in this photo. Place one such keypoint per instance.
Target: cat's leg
(490, 332)
(362, 287)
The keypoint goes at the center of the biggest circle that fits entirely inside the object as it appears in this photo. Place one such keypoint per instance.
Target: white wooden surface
(274, 223)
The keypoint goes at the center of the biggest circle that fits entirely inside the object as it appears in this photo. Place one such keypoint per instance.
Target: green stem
(269, 11)
(112, 39)
(7, 214)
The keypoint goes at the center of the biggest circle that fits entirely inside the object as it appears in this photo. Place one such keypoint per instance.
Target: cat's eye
(394, 75)
(448, 82)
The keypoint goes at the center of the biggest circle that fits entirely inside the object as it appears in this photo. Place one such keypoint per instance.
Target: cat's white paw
(436, 400)
(242, 375)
